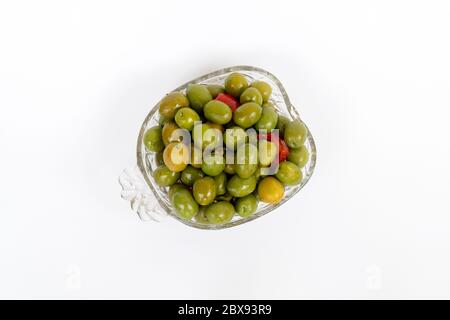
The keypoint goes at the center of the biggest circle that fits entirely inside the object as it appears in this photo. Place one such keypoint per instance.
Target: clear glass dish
(147, 163)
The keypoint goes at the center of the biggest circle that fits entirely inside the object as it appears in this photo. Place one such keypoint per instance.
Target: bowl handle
(142, 200)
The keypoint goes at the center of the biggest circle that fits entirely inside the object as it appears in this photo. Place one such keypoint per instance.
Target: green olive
(184, 204)
(205, 136)
(299, 156)
(295, 134)
(234, 137)
(251, 95)
(204, 190)
(190, 175)
(281, 124)
(169, 105)
(246, 160)
(264, 88)
(289, 173)
(217, 112)
(201, 216)
(159, 158)
(221, 183)
(214, 90)
(230, 168)
(213, 165)
(239, 187)
(198, 96)
(153, 139)
(186, 117)
(267, 152)
(220, 212)
(196, 157)
(268, 120)
(246, 206)
(169, 133)
(174, 188)
(164, 177)
(235, 84)
(247, 114)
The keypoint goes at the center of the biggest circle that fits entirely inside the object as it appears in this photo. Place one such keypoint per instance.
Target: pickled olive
(214, 90)
(270, 190)
(289, 173)
(217, 112)
(281, 124)
(247, 114)
(205, 136)
(213, 165)
(184, 204)
(251, 95)
(246, 206)
(234, 137)
(235, 84)
(204, 190)
(268, 152)
(170, 104)
(230, 168)
(176, 156)
(174, 188)
(169, 133)
(159, 158)
(221, 183)
(299, 156)
(246, 160)
(186, 117)
(268, 120)
(164, 177)
(190, 175)
(196, 157)
(264, 88)
(239, 187)
(153, 139)
(198, 96)
(201, 216)
(220, 212)
(295, 134)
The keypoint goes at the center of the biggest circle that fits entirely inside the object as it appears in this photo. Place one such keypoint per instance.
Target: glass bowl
(147, 160)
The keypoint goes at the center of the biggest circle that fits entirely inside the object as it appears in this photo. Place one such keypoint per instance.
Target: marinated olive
(190, 175)
(196, 157)
(268, 120)
(246, 206)
(214, 90)
(221, 183)
(213, 165)
(230, 168)
(264, 88)
(220, 212)
(198, 96)
(186, 117)
(206, 137)
(299, 156)
(289, 173)
(174, 188)
(168, 133)
(281, 124)
(201, 216)
(184, 204)
(170, 104)
(239, 187)
(235, 84)
(246, 160)
(270, 190)
(295, 134)
(176, 156)
(204, 190)
(267, 151)
(234, 137)
(153, 139)
(159, 158)
(217, 112)
(247, 114)
(251, 95)
(164, 177)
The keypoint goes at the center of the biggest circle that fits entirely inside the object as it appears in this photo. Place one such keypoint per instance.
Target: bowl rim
(292, 112)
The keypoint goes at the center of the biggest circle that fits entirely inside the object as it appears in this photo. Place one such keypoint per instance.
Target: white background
(370, 78)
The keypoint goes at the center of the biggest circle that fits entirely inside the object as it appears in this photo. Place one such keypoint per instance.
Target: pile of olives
(222, 149)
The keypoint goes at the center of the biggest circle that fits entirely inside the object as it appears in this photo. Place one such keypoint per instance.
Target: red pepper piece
(228, 100)
(283, 149)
